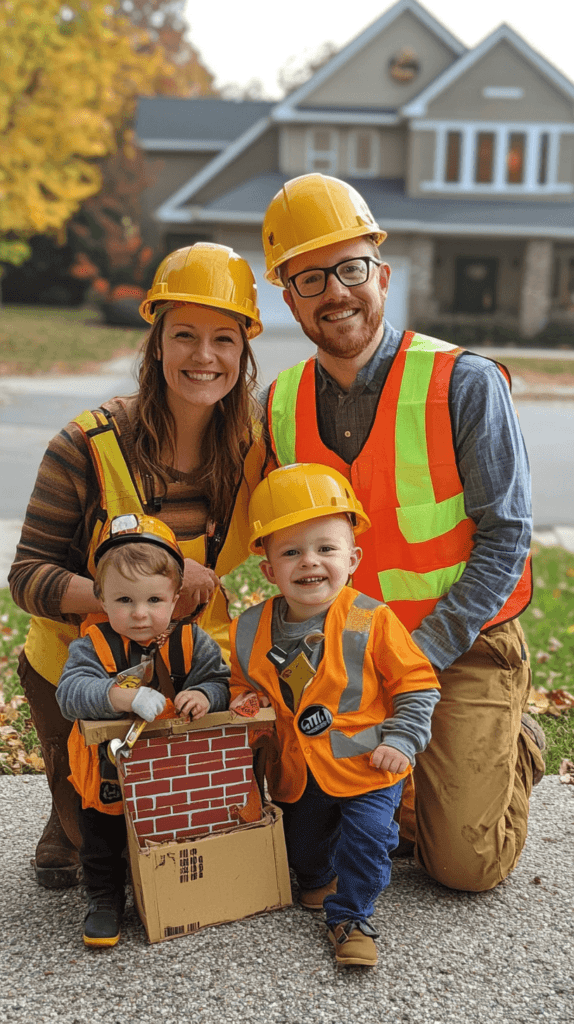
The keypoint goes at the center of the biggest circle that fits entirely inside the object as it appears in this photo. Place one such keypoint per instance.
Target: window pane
(452, 167)
(484, 157)
(322, 164)
(322, 140)
(363, 151)
(515, 158)
(543, 159)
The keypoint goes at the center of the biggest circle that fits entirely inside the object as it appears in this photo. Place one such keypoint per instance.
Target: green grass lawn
(47, 339)
(548, 624)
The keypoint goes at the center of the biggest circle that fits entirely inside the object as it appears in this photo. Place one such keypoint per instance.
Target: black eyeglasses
(349, 272)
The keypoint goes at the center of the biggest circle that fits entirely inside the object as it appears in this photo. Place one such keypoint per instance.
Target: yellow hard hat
(210, 275)
(134, 527)
(310, 212)
(297, 493)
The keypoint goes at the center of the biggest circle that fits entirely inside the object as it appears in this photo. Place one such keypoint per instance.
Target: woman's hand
(199, 584)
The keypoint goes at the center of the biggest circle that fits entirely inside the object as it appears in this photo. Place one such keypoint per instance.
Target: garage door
(275, 313)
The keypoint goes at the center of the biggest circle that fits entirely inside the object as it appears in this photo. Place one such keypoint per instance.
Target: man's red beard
(347, 338)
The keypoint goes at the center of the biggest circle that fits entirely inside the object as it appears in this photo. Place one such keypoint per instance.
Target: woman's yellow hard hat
(209, 275)
(293, 494)
(312, 211)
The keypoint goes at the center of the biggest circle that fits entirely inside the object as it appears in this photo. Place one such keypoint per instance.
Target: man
(429, 438)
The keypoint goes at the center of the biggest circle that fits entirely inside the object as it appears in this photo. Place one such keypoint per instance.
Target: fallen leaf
(570, 628)
(542, 656)
(554, 644)
(566, 772)
(556, 593)
(537, 880)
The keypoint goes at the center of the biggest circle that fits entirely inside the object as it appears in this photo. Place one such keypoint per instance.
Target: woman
(184, 449)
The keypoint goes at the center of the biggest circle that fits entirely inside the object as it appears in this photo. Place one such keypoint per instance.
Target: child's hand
(192, 702)
(263, 699)
(389, 759)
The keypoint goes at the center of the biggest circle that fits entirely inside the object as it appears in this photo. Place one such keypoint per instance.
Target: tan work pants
(473, 781)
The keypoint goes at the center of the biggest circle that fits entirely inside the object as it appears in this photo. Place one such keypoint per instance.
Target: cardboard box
(182, 887)
(185, 786)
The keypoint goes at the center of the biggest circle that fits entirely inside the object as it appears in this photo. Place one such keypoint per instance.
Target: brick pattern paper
(189, 785)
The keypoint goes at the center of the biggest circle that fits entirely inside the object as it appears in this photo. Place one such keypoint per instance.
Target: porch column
(422, 303)
(536, 285)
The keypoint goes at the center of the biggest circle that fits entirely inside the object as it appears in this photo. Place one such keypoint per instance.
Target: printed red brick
(193, 746)
(239, 759)
(145, 803)
(152, 788)
(190, 782)
(232, 792)
(207, 817)
(172, 762)
(232, 730)
(139, 770)
(175, 822)
(151, 748)
(229, 741)
(210, 734)
(211, 761)
(145, 827)
(143, 815)
(228, 777)
(171, 800)
(221, 825)
(159, 772)
(217, 803)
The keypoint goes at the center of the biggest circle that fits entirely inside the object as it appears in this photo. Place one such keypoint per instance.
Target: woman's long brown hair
(227, 438)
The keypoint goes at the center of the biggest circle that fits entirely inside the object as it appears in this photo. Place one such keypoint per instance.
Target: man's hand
(389, 759)
(198, 586)
(192, 702)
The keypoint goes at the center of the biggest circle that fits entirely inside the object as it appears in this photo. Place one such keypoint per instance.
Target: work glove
(148, 703)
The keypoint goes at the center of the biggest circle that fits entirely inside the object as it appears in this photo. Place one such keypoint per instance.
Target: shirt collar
(372, 374)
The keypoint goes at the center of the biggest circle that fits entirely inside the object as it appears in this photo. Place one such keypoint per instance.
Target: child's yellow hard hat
(135, 527)
(293, 494)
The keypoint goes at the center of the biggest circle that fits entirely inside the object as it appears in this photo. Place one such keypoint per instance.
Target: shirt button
(347, 433)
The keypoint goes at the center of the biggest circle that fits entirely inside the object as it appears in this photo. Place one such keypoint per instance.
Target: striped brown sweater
(62, 512)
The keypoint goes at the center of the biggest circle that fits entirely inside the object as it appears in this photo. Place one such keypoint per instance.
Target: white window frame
(364, 172)
(469, 134)
(331, 154)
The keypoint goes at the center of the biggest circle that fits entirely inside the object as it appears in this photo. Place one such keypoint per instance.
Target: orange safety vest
(369, 657)
(93, 775)
(406, 477)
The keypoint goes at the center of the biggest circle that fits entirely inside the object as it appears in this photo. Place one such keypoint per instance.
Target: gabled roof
(205, 123)
(418, 106)
(287, 109)
(246, 204)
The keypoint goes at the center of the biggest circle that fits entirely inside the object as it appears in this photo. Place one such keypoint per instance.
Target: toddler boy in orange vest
(139, 571)
(353, 695)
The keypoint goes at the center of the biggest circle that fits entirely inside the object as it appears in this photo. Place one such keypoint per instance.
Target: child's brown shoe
(353, 942)
(312, 899)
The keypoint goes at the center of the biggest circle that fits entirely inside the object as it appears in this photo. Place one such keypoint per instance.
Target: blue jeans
(349, 837)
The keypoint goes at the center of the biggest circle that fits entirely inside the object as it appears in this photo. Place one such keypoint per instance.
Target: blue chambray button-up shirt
(494, 470)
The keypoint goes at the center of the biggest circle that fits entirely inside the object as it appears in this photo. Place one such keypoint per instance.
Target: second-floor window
(496, 158)
(364, 153)
(322, 149)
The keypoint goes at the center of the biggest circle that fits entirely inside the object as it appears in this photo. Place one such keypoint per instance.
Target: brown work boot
(57, 862)
(353, 942)
(312, 899)
(535, 732)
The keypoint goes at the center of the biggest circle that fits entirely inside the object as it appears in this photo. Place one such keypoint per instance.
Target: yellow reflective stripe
(419, 524)
(424, 343)
(119, 494)
(283, 408)
(402, 585)
(412, 471)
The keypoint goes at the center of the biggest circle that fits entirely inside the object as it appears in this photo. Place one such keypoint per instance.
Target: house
(466, 158)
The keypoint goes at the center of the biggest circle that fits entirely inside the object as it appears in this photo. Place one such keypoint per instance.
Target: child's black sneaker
(103, 920)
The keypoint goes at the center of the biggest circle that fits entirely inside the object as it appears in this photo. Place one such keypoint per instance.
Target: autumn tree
(70, 79)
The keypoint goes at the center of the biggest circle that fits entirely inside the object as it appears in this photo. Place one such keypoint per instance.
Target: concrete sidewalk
(501, 957)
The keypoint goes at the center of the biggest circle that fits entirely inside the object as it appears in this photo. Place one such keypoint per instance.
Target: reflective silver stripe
(351, 746)
(247, 627)
(355, 638)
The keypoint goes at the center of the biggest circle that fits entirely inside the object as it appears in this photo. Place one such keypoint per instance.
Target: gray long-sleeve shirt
(84, 687)
(493, 466)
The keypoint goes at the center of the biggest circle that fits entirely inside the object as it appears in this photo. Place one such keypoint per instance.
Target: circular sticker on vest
(314, 720)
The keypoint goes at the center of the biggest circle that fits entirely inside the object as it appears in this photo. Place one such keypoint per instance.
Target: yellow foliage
(70, 78)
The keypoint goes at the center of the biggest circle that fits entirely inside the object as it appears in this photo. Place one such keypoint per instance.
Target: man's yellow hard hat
(293, 494)
(312, 211)
(209, 275)
(137, 528)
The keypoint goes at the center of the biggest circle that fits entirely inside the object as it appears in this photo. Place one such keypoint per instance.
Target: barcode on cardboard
(193, 927)
(177, 930)
(190, 865)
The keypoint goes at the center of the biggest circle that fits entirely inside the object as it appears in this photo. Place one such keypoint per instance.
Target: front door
(475, 284)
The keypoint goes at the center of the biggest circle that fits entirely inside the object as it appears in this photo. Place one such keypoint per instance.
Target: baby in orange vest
(139, 572)
(353, 695)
